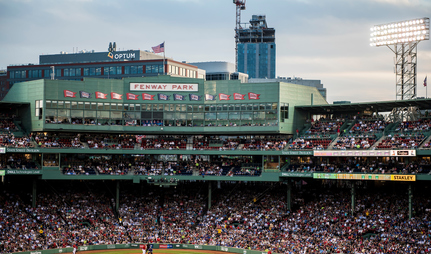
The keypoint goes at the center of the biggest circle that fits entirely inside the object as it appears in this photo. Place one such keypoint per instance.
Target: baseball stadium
(188, 165)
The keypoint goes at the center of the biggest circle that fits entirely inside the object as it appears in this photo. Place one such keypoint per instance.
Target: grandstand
(218, 163)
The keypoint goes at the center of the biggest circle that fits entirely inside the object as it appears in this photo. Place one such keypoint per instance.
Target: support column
(353, 191)
(289, 193)
(117, 197)
(33, 196)
(410, 200)
(209, 195)
(279, 162)
(59, 161)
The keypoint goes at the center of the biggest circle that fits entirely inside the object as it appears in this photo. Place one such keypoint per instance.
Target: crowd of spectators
(354, 142)
(364, 126)
(149, 166)
(245, 216)
(402, 141)
(55, 140)
(409, 126)
(9, 140)
(313, 142)
(325, 126)
(17, 161)
(100, 166)
(7, 123)
(352, 165)
(162, 142)
(60, 219)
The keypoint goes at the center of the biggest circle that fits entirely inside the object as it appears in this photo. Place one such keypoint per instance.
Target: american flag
(116, 96)
(194, 97)
(253, 96)
(163, 97)
(178, 97)
(84, 94)
(131, 96)
(159, 48)
(68, 93)
(224, 97)
(209, 97)
(146, 96)
(238, 96)
(100, 95)
(425, 81)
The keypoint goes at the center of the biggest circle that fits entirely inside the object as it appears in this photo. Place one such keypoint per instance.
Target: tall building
(256, 49)
(108, 65)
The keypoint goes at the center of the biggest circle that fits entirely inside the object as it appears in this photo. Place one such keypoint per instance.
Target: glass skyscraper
(256, 49)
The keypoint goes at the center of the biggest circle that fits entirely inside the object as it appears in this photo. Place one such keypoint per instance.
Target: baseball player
(150, 249)
(143, 249)
(74, 249)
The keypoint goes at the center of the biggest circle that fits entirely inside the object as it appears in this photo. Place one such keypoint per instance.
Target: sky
(328, 40)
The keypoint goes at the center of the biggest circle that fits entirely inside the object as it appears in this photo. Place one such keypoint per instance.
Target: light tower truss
(402, 38)
(405, 70)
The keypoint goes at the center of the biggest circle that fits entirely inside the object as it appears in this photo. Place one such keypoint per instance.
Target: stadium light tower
(402, 38)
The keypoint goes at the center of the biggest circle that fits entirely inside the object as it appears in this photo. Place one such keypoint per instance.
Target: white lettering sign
(163, 87)
(124, 56)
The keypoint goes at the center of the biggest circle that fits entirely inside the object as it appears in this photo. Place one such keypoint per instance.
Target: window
(133, 69)
(112, 70)
(47, 73)
(39, 109)
(87, 71)
(126, 69)
(284, 112)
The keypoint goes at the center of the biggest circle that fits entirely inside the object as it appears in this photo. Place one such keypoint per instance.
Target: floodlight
(402, 38)
(414, 30)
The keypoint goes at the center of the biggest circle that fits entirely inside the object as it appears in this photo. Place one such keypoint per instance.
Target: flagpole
(164, 49)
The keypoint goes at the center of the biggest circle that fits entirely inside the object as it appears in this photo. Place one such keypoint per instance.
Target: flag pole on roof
(426, 87)
(159, 49)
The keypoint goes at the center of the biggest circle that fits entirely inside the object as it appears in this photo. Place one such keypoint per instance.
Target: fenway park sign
(163, 87)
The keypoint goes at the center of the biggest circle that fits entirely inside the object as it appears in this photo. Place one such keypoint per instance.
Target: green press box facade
(162, 104)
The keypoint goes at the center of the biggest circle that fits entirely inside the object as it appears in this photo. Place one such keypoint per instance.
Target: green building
(162, 104)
